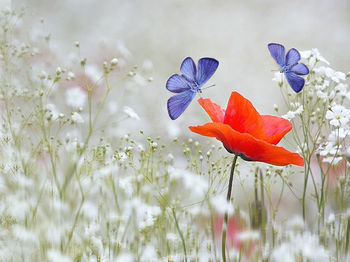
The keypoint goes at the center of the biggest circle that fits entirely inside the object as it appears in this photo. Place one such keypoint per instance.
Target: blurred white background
(165, 32)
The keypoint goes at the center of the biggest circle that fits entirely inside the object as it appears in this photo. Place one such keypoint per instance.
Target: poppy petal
(243, 117)
(275, 128)
(246, 146)
(215, 112)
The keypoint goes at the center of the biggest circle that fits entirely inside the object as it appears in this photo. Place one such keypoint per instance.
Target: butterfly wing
(300, 69)
(296, 82)
(177, 84)
(178, 103)
(277, 51)
(206, 68)
(188, 69)
(292, 57)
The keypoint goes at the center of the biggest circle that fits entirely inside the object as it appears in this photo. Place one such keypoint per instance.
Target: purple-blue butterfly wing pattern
(206, 68)
(177, 84)
(188, 84)
(292, 57)
(296, 82)
(289, 65)
(278, 52)
(300, 69)
(188, 69)
(177, 104)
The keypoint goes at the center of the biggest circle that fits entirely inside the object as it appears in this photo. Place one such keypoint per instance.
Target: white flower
(221, 205)
(189, 179)
(336, 76)
(291, 114)
(342, 89)
(56, 256)
(149, 254)
(126, 185)
(145, 214)
(278, 77)
(170, 236)
(338, 115)
(76, 118)
(76, 97)
(305, 244)
(336, 135)
(313, 54)
(70, 76)
(296, 223)
(51, 112)
(93, 72)
(331, 218)
(114, 61)
(125, 257)
(332, 160)
(122, 156)
(130, 112)
(329, 149)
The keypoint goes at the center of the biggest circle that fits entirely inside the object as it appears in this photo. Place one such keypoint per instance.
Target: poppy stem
(228, 198)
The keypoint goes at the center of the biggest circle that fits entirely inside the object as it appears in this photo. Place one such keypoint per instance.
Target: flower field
(83, 177)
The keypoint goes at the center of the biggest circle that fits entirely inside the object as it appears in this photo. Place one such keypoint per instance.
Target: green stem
(228, 198)
(263, 214)
(180, 233)
(347, 237)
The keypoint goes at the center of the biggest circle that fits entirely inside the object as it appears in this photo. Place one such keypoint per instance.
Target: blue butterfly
(289, 65)
(189, 83)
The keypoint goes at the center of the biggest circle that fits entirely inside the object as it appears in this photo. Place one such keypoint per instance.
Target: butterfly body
(186, 85)
(289, 64)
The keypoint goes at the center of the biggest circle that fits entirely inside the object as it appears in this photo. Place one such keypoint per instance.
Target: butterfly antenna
(207, 87)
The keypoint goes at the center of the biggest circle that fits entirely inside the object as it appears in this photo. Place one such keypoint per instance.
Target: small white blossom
(278, 77)
(75, 97)
(93, 72)
(338, 115)
(70, 76)
(114, 61)
(313, 54)
(77, 118)
(221, 205)
(335, 76)
(292, 114)
(305, 244)
(130, 112)
(56, 256)
(52, 112)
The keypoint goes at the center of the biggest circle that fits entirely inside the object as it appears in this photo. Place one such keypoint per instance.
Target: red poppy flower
(246, 133)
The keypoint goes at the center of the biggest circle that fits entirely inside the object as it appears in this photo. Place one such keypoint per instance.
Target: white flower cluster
(303, 245)
(322, 105)
(297, 109)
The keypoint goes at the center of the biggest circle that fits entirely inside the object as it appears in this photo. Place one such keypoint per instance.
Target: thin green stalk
(263, 214)
(212, 229)
(86, 142)
(180, 233)
(347, 236)
(228, 198)
(70, 235)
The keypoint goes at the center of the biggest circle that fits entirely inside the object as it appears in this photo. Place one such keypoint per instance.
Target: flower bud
(114, 61)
